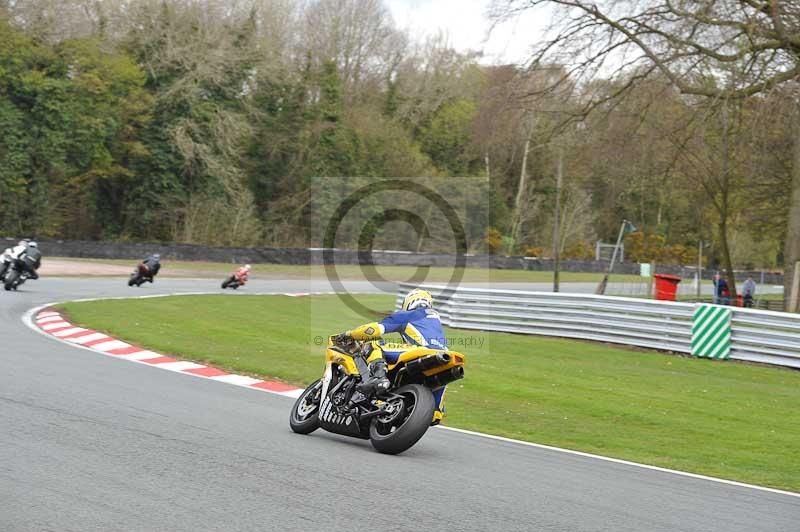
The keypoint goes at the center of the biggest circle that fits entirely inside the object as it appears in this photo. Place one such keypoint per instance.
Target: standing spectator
(749, 290)
(722, 294)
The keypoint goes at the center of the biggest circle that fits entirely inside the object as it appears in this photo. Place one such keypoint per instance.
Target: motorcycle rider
(151, 265)
(32, 251)
(242, 273)
(419, 325)
(10, 255)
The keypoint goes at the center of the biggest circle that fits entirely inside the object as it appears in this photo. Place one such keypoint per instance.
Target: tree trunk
(724, 212)
(726, 256)
(791, 253)
(516, 217)
(556, 238)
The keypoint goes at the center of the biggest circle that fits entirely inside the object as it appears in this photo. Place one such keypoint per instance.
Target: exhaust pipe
(425, 363)
(445, 377)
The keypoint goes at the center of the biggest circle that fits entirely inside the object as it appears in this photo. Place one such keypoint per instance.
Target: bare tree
(717, 49)
(432, 73)
(357, 34)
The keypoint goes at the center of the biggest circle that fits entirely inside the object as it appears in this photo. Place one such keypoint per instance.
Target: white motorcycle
(6, 260)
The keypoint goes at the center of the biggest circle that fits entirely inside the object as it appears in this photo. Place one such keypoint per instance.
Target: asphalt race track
(91, 443)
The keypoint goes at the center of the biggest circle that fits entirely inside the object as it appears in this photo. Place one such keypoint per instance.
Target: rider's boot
(377, 381)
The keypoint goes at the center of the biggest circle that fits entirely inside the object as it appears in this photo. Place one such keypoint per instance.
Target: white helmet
(247, 267)
(33, 244)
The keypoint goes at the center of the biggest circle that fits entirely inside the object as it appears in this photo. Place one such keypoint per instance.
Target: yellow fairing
(411, 354)
(345, 361)
(456, 359)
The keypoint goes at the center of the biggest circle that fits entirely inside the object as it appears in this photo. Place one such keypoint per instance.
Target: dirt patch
(62, 267)
(65, 267)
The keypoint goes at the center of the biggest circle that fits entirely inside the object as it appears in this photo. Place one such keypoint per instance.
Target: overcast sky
(467, 25)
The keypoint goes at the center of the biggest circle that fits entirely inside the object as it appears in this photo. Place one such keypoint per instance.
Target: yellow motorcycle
(393, 420)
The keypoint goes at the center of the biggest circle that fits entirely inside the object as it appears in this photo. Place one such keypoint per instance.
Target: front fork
(362, 366)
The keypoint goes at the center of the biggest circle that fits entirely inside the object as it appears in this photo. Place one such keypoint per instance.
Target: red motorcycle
(140, 275)
(239, 278)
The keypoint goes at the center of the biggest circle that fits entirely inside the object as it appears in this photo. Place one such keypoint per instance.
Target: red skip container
(666, 286)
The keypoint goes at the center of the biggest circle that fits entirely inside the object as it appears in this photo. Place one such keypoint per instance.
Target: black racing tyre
(304, 418)
(400, 430)
(11, 280)
(131, 281)
(226, 282)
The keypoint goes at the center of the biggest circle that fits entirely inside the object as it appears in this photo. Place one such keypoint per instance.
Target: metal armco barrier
(756, 335)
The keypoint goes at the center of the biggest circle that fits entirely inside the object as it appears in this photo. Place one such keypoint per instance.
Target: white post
(699, 270)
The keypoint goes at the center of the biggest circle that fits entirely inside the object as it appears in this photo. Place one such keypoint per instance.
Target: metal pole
(699, 269)
(601, 288)
(556, 236)
(616, 248)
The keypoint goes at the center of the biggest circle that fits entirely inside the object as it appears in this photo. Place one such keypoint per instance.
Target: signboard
(711, 332)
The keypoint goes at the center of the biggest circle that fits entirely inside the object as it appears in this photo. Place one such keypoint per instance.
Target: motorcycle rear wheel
(304, 418)
(400, 430)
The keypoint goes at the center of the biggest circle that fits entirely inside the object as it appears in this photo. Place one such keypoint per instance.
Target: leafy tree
(446, 137)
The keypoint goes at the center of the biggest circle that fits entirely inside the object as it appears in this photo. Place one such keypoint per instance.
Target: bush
(493, 241)
(533, 251)
(582, 250)
(650, 247)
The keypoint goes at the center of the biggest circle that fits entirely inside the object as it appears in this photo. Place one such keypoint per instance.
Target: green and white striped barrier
(711, 332)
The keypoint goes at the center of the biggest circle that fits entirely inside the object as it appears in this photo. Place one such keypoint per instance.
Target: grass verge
(724, 419)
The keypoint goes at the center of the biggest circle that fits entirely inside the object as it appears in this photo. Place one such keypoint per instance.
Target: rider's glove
(343, 338)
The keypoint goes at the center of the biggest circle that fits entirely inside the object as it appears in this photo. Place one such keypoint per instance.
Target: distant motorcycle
(140, 275)
(20, 270)
(6, 259)
(237, 279)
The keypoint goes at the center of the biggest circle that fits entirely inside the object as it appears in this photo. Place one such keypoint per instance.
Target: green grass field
(725, 419)
(351, 272)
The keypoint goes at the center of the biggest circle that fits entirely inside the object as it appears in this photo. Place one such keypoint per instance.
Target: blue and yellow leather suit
(420, 327)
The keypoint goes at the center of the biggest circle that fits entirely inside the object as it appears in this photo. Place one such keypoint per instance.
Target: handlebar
(350, 345)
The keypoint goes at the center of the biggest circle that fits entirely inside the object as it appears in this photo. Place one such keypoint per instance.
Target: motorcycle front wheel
(11, 280)
(405, 422)
(304, 418)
